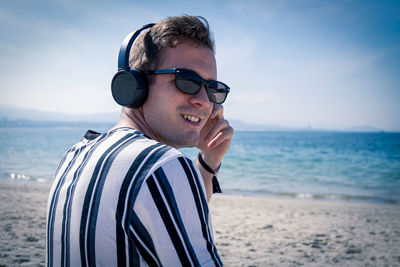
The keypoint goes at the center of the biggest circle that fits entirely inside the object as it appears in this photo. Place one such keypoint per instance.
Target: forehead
(195, 57)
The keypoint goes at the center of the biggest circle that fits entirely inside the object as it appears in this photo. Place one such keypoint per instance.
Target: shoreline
(318, 198)
(235, 193)
(248, 230)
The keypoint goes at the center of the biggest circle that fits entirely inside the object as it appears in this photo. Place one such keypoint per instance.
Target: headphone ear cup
(129, 88)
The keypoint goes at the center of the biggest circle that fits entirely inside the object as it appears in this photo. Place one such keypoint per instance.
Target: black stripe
(129, 177)
(76, 149)
(151, 160)
(98, 192)
(144, 237)
(62, 161)
(169, 196)
(87, 252)
(53, 207)
(200, 191)
(134, 259)
(210, 245)
(65, 235)
(168, 223)
(50, 250)
(142, 243)
(132, 182)
(201, 205)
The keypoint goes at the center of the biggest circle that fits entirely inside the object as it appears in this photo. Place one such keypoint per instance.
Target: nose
(201, 98)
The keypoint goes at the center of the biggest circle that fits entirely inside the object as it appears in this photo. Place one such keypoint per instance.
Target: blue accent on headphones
(129, 86)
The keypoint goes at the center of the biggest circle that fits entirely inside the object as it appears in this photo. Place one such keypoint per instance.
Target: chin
(187, 143)
(188, 140)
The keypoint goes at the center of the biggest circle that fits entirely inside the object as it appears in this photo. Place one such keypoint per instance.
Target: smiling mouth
(191, 118)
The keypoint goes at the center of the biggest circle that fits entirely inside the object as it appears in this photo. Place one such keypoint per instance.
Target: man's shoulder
(172, 159)
(142, 148)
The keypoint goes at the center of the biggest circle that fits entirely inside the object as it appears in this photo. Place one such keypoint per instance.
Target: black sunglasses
(189, 82)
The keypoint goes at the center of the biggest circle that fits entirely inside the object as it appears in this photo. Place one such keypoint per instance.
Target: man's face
(171, 114)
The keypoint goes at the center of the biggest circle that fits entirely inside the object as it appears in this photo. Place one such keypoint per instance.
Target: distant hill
(16, 113)
(28, 117)
(10, 115)
(243, 126)
(363, 129)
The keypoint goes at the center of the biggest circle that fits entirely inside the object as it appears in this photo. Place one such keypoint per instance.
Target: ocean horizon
(315, 165)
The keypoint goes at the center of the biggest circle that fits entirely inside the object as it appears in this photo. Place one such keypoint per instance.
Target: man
(128, 196)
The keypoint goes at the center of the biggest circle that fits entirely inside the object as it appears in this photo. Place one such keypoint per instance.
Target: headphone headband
(124, 51)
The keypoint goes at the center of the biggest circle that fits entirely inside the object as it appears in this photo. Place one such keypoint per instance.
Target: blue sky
(324, 64)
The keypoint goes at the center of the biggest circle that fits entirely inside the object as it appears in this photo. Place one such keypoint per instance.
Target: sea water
(337, 166)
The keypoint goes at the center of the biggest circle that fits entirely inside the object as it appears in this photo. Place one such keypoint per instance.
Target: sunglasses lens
(217, 92)
(188, 82)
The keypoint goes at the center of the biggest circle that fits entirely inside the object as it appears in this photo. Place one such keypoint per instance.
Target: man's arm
(172, 212)
(215, 140)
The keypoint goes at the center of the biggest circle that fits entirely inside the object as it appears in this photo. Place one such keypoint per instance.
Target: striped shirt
(122, 199)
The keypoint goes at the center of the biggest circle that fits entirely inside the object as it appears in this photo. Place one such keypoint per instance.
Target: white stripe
(68, 200)
(173, 219)
(209, 239)
(101, 169)
(71, 165)
(141, 242)
(128, 195)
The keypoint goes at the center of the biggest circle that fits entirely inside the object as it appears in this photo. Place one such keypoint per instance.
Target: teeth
(191, 118)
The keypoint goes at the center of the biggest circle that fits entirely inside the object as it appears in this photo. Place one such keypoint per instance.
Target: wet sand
(248, 231)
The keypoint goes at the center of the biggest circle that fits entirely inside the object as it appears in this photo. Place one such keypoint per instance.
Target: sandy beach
(249, 231)
(23, 223)
(280, 232)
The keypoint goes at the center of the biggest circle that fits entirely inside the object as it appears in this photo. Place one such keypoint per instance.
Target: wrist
(206, 166)
(210, 160)
(215, 185)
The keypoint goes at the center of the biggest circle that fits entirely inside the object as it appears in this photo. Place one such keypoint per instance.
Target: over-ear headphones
(129, 86)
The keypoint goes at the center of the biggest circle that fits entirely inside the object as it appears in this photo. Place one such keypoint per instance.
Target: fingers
(221, 132)
(218, 112)
(221, 137)
(216, 127)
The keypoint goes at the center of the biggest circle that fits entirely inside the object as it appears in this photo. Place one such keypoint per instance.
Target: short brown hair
(149, 46)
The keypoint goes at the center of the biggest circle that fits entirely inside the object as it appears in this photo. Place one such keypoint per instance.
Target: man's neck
(133, 118)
